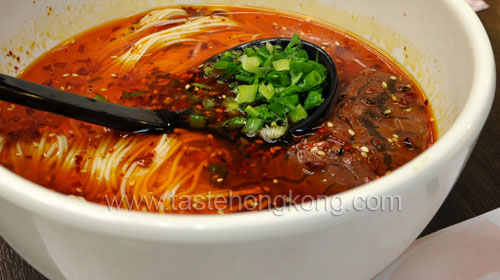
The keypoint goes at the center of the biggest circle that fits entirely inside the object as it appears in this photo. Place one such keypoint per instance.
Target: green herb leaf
(197, 121)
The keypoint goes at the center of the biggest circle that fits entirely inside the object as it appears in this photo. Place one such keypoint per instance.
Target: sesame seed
(364, 149)
(323, 47)
(393, 78)
(387, 112)
(62, 88)
(308, 20)
(65, 75)
(224, 96)
(114, 56)
(389, 140)
(395, 139)
(78, 189)
(395, 136)
(219, 180)
(302, 33)
(104, 89)
(364, 154)
(275, 24)
(329, 124)
(431, 119)
(276, 181)
(321, 153)
(187, 86)
(113, 75)
(284, 28)
(351, 132)
(52, 135)
(393, 97)
(69, 87)
(384, 84)
(337, 43)
(408, 110)
(313, 150)
(324, 180)
(36, 144)
(74, 75)
(325, 43)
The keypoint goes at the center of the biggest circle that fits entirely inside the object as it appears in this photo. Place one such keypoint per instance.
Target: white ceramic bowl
(441, 42)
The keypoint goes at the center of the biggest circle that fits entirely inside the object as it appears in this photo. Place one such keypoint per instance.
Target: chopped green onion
(208, 103)
(264, 113)
(274, 132)
(223, 65)
(244, 78)
(101, 98)
(314, 99)
(235, 123)
(209, 71)
(313, 79)
(282, 64)
(197, 121)
(266, 90)
(251, 111)
(297, 114)
(201, 86)
(250, 64)
(231, 106)
(296, 77)
(269, 47)
(278, 109)
(246, 93)
(253, 125)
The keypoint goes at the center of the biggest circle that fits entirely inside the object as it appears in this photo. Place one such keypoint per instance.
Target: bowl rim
(57, 207)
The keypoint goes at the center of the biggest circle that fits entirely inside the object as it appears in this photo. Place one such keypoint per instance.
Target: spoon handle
(119, 117)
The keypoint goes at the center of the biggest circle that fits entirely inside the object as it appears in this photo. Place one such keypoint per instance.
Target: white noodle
(160, 15)
(123, 185)
(172, 36)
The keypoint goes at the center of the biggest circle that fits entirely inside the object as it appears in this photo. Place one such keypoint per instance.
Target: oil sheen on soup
(148, 60)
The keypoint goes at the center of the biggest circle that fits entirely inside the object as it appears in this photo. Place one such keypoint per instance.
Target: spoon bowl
(330, 94)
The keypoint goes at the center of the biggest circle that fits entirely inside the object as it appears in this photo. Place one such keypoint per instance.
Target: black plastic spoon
(138, 120)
